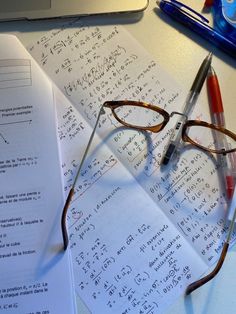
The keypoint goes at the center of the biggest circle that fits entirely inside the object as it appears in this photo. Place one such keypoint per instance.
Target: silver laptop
(37, 9)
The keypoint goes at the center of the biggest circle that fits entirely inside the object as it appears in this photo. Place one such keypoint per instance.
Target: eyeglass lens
(214, 140)
(138, 116)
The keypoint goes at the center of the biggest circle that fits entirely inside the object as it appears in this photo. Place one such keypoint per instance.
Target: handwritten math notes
(35, 275)
(139, 233)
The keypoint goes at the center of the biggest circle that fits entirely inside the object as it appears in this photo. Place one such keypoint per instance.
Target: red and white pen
(217, 110)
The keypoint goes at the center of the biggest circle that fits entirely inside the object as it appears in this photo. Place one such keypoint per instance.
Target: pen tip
(210, 55)
(211, 71)
(165, 161)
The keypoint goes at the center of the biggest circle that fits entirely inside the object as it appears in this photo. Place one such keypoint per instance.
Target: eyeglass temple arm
(63, 219)
(72, 190)
(197, 284)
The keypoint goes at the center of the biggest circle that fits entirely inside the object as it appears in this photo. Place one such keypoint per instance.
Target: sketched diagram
(3, 137)
(14, 73)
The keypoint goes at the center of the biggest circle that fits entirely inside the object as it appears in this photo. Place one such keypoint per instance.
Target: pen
(217, 110)
(196, 23)
(191, 99)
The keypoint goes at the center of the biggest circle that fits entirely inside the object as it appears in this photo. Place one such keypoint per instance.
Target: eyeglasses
(146, 117)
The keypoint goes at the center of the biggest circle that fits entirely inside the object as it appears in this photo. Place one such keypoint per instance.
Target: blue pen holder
(225, 17)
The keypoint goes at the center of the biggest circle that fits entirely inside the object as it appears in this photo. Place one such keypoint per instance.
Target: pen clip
(181, 6)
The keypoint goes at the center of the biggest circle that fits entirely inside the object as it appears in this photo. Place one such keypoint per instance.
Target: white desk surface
(180, 52)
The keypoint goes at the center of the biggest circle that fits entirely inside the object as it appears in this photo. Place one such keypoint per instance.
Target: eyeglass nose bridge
(179, 113)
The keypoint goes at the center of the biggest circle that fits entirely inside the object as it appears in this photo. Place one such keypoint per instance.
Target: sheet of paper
(35, 274)
(124, 199)
(108, 228)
